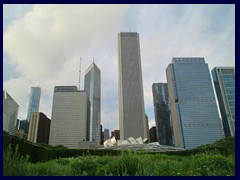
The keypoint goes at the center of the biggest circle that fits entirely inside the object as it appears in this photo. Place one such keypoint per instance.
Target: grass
(127, 164)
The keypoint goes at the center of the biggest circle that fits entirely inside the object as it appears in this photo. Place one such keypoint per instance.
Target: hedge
(40, 152)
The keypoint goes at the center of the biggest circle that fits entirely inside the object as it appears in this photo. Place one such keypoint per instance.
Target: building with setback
(92, 85)
(39, 127)
(162, 114)
(224, 82)
(194, 110)
(69, 122)
(33, 105)
(10, 113)
(132, 120)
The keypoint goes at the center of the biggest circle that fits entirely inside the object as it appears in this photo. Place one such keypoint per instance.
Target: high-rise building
(10, 113)
(92, 85)
(194, 110)
(224, 82)
(153, 134)
(106, 134)
(39, 128)
(147, 126)
(132, 120)
(69, 122)
(162, 114)
(33, 105)
(116, 134)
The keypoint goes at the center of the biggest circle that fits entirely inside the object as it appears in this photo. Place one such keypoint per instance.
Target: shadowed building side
(224, 83)
(162, 114)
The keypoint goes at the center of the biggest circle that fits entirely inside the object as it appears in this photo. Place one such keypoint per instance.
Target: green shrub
(83, 167)
(13, 163)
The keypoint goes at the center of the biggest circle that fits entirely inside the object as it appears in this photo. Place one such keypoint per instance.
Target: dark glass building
(162, 114)
(153, 134)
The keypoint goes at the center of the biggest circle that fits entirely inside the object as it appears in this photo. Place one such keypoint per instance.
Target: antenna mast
(79, 74)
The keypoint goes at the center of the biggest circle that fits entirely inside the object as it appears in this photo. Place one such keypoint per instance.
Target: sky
(43, 44)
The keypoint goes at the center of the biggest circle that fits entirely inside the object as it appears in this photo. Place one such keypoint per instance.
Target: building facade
(33, 105)
(153, 134)
(224, 82)
(39, 128)
(106, 134)
(132, 120)
(194, 110)
(116, 134)
(92, 86)
(10, 113)
(69, 121)
(162, 114)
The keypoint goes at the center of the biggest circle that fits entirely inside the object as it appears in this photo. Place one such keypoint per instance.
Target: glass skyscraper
(33, 105)
(162, 114)
(194, 110)
(224, 82)
(131, 103)
(92, 85)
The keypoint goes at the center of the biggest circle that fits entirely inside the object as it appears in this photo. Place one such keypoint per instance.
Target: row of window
(199, 125)
(228, 78)
(189, 60)
(230, 90)
(195, 99)
(190, 78)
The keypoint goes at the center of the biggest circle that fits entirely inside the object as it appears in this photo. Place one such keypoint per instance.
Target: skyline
(43, 44)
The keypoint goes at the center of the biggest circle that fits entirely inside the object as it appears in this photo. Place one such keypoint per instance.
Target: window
(227, 78)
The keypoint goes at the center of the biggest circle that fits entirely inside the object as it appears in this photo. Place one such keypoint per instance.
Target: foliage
(14, 163)
(24, 158)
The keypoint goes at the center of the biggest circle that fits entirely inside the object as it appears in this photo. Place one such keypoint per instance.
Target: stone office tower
(224, 82)
(69, 124)
(194, 110)
(131, 102)
(92, 85)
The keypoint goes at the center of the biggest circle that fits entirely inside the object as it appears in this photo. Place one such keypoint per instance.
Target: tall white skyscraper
(92, 85)
(69, 122)
(193, 105)
(10, 113)
(131, 102)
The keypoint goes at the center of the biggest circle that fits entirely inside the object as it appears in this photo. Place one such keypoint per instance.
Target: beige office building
(39, 128)
(69, 121)
(131, 103)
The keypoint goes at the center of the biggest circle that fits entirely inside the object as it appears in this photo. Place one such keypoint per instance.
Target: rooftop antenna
(79, 74)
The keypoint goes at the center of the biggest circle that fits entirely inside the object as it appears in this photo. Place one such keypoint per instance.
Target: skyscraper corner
(92, 85)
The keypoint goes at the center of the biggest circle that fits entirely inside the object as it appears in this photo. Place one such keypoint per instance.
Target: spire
(79, 74)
